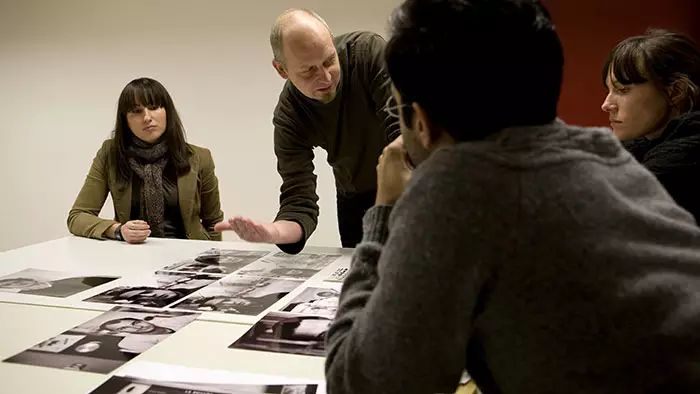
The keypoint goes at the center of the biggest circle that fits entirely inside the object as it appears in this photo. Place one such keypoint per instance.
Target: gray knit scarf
(148, 161)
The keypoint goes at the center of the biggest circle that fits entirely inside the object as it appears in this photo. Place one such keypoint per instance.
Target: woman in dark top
(654, 105)
(161, 186)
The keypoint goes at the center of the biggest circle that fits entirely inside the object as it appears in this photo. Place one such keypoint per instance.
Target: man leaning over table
(334, 98)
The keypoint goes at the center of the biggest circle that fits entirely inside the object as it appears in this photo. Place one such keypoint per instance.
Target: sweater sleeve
(406, 306)
(298, 198)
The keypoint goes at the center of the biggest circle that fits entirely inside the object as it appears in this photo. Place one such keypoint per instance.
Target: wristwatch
(118, 233)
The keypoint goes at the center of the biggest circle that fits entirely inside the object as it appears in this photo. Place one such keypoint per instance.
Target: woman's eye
(621, 89)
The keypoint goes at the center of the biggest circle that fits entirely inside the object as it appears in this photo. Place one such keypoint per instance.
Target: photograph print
(281, 332)
(133, 385)
(157, 291)
(243, 295)
(282, 265)
(105, 342)
(217, 261)
(315, 301)
(338, 275)
(50, 283)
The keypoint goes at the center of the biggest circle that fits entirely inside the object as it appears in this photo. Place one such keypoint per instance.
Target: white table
(204, 343)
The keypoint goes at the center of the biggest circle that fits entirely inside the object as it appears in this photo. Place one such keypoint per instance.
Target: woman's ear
(678, 92)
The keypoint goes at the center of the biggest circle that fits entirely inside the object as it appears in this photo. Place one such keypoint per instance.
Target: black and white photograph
(282, 265)
(315, 301)
(124, 385)
(217, 261)
(243, 295)
(107, 341)
(50, 283)
(157, 291)
(142, 377)
(338, 275)
(281, 332)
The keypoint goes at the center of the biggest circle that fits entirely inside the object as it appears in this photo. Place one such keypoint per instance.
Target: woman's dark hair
(659, 56)
(476, 66)
(148, 92)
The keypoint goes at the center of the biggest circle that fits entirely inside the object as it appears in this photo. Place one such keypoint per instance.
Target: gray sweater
(542, 260)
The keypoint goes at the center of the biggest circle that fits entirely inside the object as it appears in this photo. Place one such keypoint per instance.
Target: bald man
(335, 96)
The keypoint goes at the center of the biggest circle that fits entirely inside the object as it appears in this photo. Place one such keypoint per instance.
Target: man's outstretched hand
(279, 232)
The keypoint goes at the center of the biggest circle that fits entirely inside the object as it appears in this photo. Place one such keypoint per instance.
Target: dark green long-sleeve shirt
(353, 129)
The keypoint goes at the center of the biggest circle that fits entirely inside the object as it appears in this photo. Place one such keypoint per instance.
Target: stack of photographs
(254, 287)
(217, 280)
(241, 282)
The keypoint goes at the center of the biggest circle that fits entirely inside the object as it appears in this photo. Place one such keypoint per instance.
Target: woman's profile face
(147, 123)
(636, 110)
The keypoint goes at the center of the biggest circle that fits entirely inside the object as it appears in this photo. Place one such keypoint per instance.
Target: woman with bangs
(653, 100)
(161, 186)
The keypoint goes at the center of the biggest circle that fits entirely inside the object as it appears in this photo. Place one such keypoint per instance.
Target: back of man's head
(476, 66)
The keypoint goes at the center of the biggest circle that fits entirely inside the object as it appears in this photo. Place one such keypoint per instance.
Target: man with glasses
(538, 255)
(334, 99)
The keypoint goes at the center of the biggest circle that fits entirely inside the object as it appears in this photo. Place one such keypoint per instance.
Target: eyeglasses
(392, 108)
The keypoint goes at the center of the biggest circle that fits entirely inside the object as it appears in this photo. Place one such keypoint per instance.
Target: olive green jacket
(198, 196)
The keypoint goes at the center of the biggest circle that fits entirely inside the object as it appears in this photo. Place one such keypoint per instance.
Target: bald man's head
(304, 53)
(294, 19)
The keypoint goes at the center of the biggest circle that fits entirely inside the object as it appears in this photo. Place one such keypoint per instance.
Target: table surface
(30, 319)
